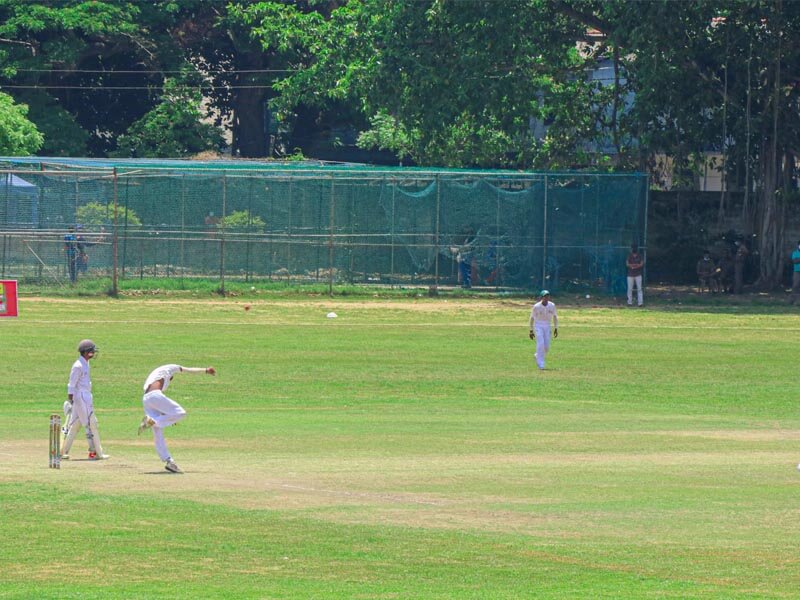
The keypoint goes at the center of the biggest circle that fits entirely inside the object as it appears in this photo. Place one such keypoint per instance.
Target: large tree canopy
(454, 83)
(64, 53)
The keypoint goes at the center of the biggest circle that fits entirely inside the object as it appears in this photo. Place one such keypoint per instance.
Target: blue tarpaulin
(20, 201)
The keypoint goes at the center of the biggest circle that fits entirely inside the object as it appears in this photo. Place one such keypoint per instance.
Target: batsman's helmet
(87, 346)
(544, 293)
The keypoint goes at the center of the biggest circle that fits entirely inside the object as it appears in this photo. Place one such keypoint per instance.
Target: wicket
(55, 441)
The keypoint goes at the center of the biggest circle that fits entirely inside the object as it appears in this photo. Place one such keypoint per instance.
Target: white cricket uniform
(80, 386)
(539, 323)
(164, 411)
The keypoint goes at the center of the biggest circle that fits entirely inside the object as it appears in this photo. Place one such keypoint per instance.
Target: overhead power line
(156, 71)
(132, 87)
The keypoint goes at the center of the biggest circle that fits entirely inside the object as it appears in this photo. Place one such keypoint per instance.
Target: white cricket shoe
(146, 423)
(94, 456)
(172, 467)
(66, 457)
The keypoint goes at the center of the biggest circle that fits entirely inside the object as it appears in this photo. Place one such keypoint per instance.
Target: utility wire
(155, 71)
(132, 87)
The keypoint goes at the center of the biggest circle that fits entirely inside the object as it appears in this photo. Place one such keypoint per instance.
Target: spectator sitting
(706, 273)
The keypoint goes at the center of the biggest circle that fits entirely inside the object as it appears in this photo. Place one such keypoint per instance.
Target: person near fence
(725, 272)
(795, 274)
(161, 411)
(493, 263)
(635, 265)
(707, 273)
(82, 262)
(212, 223)
(74, 249)
(539, 323)
(739, 262)
(79, 395)
(465, 258)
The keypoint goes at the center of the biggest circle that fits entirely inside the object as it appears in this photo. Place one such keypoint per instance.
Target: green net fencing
(63, 222)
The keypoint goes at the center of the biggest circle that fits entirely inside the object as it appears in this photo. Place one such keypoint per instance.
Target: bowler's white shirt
(541, 314)
(165, 372)
(79, 380)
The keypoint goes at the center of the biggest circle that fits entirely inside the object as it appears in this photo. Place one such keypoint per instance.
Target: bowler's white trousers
(164, 412)
(542, 332)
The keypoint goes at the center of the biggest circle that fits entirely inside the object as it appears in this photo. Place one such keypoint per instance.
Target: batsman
(79, 396)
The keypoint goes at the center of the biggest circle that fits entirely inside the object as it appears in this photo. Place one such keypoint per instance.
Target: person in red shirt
(635, 264)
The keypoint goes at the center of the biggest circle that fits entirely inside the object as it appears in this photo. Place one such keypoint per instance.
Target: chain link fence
(65, 221)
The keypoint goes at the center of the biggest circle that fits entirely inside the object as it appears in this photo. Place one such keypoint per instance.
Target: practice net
(63, 221)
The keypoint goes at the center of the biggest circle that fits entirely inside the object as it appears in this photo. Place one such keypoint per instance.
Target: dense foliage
(173, 129)
(242, 221)
(97, 216)
(18, 136)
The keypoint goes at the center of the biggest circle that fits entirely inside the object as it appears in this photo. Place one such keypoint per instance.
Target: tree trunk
(250, 135)
(771, 227)
(771, 209)
(723, 197)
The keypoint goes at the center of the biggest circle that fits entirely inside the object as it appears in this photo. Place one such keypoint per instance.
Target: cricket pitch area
(406, 449)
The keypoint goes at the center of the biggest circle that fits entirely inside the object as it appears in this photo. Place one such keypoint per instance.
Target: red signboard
(8, 298)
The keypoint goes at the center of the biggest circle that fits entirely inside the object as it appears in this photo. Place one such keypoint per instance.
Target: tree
(101, 61)
(217, 41)
(60, 130)
(173, 129)
(18, 136)
(716, 75)
(444, 83)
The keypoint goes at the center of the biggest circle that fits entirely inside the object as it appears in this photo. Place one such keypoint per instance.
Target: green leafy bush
(95, 215)
(242, 220)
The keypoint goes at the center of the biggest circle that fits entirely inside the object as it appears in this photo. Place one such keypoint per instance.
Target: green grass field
(406, 449)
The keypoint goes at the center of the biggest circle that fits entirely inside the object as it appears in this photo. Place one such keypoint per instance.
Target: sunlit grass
(406, 449)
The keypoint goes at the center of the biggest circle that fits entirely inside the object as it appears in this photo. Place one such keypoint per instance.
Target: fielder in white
(79, 396)
(539, 322)
(161, 411)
